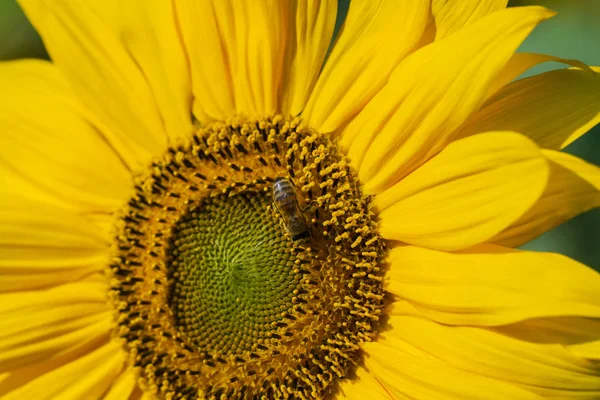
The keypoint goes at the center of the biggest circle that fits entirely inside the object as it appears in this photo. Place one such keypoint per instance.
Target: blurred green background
(573, 33)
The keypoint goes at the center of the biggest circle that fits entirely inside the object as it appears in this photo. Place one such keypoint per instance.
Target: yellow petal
(17, 189)
(204, 40)
(573, 188)
(104, 222)
(149, 32)
(408, 373)
(539, 365)
(581, 336)
(491, 285)
(103, 75)
(451, 16)
(18, 281)
(43, 246)
(23, 354)
(48, 141)
(236, 55)
(521, 62)
(376, 36)
(44, 321)
(31, 371)
(31, 345)
(430, 94)
(468, 193)
(589, 350)
(554, 108)
(88, 291)
(123, 386)
(363, 386)
(87, 377)
(311, 29)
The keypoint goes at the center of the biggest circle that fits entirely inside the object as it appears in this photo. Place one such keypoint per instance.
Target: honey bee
(286, 201)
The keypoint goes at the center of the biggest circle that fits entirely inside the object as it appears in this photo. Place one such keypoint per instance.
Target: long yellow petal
(18, 281)
(17, 189)
(24, 354)
(150, 33)
(236, 52)
(363, 386)
(87, 377)
(450, 16)
(40, 321)
(491, 285)
(376, 36)
(553, 109)
(212, 82)
(21, 341)
(573, 188)
(521, 62)
(103, 75)
(467, 194)
(123, 386)
(539, 365)
(48, 142)
(431, 94)
(17, 378)
(99, 374)
(579, 335)
(311, 29)
(88, 291)
(590, 350)
(43, 246)
(408, 372)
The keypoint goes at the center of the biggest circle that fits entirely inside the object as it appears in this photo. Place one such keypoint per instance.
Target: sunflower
(204, 199)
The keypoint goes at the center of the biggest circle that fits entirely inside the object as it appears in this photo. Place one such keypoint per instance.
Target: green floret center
(232, 273)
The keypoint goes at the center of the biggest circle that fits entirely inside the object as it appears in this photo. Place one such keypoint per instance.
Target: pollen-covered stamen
(213, 297)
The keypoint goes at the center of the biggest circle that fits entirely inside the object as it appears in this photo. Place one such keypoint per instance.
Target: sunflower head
(216, 296)
(213, 199)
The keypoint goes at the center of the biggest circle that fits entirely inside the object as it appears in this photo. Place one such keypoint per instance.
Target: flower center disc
(233, 273)
(247, 265)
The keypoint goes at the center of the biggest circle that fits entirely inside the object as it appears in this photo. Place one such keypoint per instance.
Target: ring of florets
(185, 225)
